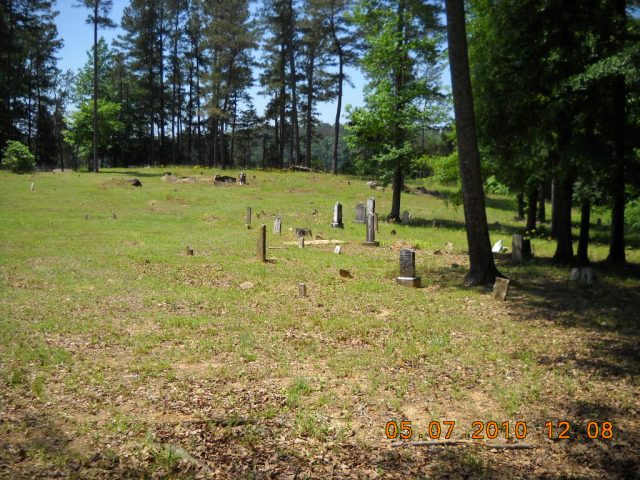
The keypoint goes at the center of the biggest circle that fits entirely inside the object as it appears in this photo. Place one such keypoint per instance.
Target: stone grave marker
(302, 290)
(405, 218)
(247, 217)
(261, 252)
(190, 251)
(300, 242)
(407, 276)
(371, 232)
(338, 249)
(242, 179)
(360, 213)
(500, 288)
(520, 248)
(371, 206)
(277, 225)
(337, 216)
(582, 275)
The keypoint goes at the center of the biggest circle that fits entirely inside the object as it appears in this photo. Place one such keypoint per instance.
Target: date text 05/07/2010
(444, 429)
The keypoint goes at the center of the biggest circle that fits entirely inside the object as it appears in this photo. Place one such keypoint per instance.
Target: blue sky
(78, 39)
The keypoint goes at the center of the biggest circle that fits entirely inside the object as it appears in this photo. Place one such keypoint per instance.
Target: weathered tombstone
(247, 217)
(33, 186)
(338, 249)
(500, 288)
(436, 224)
(337, 216)
(242, 178)
(520, 248)
(371, 232)
(407, 276)
(261, 252)
(371, 206)
(302, 290)
(190, 251)
(375, 221)
(360, 213)
(277, 226)
(303, 232)
(300, 242)
(582, 275)
(405, 218)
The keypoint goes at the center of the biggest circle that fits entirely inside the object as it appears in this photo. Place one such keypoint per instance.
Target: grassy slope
(112, 340)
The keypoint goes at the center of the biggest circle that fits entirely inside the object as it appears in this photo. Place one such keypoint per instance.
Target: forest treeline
(555, 85)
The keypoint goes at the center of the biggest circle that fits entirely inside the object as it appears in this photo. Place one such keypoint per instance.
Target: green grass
(110, 330)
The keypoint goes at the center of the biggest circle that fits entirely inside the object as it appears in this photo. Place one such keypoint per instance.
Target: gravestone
(33, 186)
(337, 216)
(338, 249)
(405, 218)
(303, 232)
(520, 248)
(375, 221)
(500, 288)
(277, 226)
(242, 178)
(360, 213)
(582, 275)
(371, 206)
(371, 232)
(190, 251)
(247, 217)
(261, 252)
(300, 242)
(302, 290)
(407, 276)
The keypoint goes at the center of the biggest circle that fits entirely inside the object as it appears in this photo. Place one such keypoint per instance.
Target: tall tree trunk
(482, 268)
(336, 127)
(532, 204)
(162, 117)
(542, 217)
(398, 179)
(520, 202)
(583, 241)
(309, 119)
(295, 126)
(96, 167)
(281, 99)
(564, 238)
(554, 209)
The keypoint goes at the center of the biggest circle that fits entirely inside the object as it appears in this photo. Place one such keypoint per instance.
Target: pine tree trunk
(482, 267)
(309, 119)
(542, 217)
(336, 127)
(95, 86)
(564, 237)
(394, 215)
(583, 241)
(520, 202)
(281, 99)
(532, 205)
(554, 209)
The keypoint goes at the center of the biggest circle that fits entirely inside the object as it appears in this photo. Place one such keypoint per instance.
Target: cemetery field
(122, 356)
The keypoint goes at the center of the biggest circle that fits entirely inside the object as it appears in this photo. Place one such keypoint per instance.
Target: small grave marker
(242, 179)
(520, 248)
(337, 216)
(582, 275)
(190, 251)
(360, 213)
(302, 290)
(338, 249)
(407, 276)
(405, 218)
(247, 217)
(277, 225)
(371, 206)
(371, 232)
(261, 252)
(300, 242)
(33, 186)
(500, 288)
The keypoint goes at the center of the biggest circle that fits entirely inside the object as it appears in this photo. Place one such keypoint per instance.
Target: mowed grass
(121, 355)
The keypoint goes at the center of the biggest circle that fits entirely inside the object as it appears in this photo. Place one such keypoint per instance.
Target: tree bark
(482, 267)
(583, 241)
(532, 205)
(395, 198)
(542, 216)
(336, 126)
(96, 167)
(520, 201)
(554, 209)
(562, 214)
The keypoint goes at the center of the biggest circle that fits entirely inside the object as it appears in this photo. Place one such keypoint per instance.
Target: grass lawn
(122, 356)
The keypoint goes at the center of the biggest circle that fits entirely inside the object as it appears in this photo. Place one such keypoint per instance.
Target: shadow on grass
(494, 227)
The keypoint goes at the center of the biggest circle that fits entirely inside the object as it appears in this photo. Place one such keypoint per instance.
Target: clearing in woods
(123, 355)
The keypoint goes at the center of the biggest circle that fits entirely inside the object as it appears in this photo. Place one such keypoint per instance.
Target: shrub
(18, 158)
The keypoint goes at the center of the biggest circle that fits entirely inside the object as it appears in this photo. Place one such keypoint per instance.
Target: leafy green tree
(80, 133)
(401, 44)
(18, 158)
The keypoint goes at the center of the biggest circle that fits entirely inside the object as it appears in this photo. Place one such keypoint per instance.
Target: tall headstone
(376, 222)
(337, 216)
(405, 218)
(371, 232)
(407, 276)
(300, 242)
(520, 248)
(360, 213)
(247, 218)
(261, 252)
(242, 179)
(371, 206)
(277, 226)
(500, 288)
